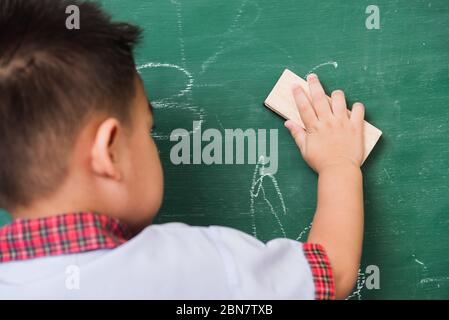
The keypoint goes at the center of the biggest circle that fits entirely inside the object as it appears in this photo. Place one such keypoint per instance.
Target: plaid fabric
(63, 234)
(321, 271)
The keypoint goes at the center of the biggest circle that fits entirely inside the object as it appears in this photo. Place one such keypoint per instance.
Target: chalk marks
(422, 270)
(257, 188)
(234, 24)
(180, 31)
(332, 63)
(237, 21)
(427, 280)
(167, 103)
(437, 280)
(189, 76)
(419, 262)
(209, 85)
(424, 274)
(303, 233)
(212, 59)
(388, 175)
(360, 284)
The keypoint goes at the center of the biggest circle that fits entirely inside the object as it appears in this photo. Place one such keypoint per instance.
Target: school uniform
(92, 256)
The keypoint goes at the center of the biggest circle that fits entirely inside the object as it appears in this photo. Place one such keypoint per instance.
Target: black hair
(52, 80)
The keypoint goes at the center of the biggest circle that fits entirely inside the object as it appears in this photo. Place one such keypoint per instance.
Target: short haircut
(52, 81)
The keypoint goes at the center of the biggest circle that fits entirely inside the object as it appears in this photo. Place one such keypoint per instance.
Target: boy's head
(74, 119)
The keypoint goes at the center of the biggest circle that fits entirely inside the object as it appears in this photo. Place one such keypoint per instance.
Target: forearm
(338, 222)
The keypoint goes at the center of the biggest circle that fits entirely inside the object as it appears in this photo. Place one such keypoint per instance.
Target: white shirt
(168, 261)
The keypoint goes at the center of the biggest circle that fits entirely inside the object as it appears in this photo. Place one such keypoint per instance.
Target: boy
(82, 179)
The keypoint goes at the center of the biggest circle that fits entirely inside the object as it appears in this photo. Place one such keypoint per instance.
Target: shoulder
(182, 231)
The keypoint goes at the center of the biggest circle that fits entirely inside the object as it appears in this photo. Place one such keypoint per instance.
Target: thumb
(298, 133)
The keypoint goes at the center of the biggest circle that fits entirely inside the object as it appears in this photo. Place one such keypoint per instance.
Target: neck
(54, 204)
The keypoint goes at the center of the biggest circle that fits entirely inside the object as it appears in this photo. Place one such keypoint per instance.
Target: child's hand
(333, 136)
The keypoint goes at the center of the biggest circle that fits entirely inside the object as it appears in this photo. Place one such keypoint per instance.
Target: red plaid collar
(69, 233)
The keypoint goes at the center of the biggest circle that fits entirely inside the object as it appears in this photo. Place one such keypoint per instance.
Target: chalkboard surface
(216, 61)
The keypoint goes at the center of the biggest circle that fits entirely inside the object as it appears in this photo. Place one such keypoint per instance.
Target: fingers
(339, 104)
(358, 113)
(321, 107)
(319, 98)
(297, 132)
(306, 111)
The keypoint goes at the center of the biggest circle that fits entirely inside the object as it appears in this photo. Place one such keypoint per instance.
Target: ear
(106, 150)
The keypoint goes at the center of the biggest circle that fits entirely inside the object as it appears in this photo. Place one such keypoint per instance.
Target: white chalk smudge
(211, 59)
(168, 103)
(180, 31)
(189, 76)
(432, 280)
(388, 175)
(419, 262)
(361, 280)
(221, 47)
(333, 63)
(257, 188)
(209, 85)
(303, 232)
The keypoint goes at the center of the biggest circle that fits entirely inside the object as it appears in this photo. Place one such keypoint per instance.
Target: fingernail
(312, 76)
(287, 124)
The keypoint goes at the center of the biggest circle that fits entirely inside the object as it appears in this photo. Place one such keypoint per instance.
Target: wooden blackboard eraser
(281, 101)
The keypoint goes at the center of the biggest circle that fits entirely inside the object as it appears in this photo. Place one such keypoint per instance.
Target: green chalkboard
(4, 217)
(216, 61)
